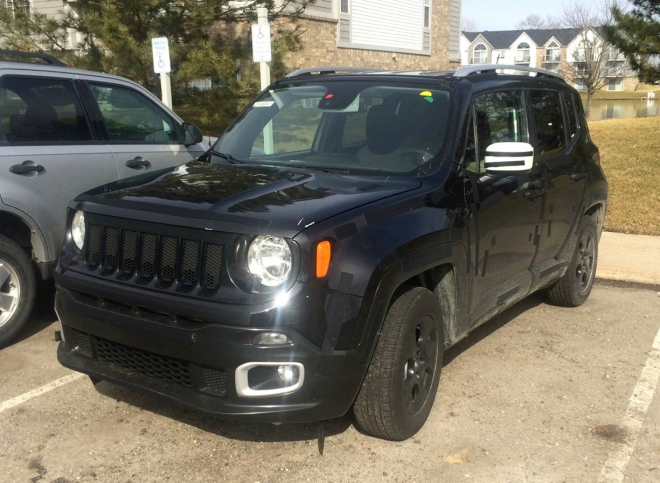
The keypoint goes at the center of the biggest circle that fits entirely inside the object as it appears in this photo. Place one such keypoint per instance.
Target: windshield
(344, 126)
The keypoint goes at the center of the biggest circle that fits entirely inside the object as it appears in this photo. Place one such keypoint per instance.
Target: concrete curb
(629, 258)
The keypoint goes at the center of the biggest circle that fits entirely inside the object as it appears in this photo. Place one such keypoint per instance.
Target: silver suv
(62, 132)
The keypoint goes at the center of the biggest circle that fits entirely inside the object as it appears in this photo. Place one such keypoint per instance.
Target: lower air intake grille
(146, 363)
(214, 381)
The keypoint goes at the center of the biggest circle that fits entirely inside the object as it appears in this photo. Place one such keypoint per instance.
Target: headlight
(78, 229)
(269, 259)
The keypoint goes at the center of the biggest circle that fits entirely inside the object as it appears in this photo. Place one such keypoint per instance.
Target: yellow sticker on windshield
(426, 94)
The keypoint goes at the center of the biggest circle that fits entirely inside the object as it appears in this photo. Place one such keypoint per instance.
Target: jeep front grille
(169, 260)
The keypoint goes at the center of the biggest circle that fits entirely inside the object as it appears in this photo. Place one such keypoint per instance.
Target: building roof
(503, 39)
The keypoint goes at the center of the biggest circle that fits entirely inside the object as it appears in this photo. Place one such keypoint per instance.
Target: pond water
(623, 109)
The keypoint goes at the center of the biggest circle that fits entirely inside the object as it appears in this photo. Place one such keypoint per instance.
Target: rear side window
(549, 120)
(41, 111)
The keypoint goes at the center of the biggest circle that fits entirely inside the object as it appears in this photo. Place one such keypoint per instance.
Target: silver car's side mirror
(503, 159)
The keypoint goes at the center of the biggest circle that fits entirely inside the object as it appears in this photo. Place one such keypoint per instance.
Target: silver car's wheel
(18, 287)
(10, 291)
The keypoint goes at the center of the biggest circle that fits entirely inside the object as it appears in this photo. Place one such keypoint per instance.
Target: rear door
(559, 157)
(50, 154)
(142, 135)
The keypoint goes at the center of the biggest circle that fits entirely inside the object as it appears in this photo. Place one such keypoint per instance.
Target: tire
(18, 287)
(573, 289)
(388, 405)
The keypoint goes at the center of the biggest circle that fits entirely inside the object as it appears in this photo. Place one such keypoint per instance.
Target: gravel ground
(538, 394)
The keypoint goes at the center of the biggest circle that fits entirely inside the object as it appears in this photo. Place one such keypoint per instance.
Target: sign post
(161, 51)
(262, 53)
(261, 46)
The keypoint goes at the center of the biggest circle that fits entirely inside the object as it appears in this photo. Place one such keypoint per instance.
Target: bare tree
(532, 21)
(592, 60)
(468, 25)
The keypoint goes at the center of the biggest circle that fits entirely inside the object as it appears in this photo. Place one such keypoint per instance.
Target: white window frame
(520, 53)
(427, 14)
(348, 7)
(553, 49)
(474, 53)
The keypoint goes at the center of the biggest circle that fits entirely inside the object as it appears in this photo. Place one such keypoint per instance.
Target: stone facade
(320, 47)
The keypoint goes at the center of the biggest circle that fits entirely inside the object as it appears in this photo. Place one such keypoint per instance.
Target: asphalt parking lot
(539, 394)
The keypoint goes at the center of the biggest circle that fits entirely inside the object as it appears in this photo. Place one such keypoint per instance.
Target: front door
(141, 134)
(506, 210)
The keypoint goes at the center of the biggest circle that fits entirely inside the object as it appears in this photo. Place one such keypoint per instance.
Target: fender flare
(452, 253)
(37, 238)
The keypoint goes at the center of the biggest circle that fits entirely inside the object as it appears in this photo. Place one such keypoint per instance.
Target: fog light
(271, 338)
(288, 374)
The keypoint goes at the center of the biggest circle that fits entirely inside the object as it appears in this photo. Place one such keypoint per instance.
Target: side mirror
(503, 159)
(191, 134)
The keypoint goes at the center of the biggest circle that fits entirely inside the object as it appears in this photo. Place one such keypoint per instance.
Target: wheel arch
(442, 269)
(25, 232)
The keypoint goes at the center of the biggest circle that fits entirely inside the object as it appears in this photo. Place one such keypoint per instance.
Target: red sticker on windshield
(329, 96)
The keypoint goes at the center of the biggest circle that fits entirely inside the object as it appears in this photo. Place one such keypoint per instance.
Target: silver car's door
(142, 133)
(50, 155)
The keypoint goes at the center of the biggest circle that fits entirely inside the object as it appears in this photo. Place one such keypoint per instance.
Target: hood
(277, 200)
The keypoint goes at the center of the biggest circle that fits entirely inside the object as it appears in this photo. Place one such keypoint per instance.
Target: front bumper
(193, 363)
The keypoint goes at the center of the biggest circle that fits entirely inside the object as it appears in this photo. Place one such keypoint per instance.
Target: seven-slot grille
(187, 262)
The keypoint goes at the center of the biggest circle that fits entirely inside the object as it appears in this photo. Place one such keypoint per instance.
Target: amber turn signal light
(323, 254)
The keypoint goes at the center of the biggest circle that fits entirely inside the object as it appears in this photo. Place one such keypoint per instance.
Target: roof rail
(49, 59)
(331, 70)
(494, 68)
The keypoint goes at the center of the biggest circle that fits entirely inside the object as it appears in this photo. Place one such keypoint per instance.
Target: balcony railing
(522, 59)
(551, 57)
(551, 66)
(478, 60)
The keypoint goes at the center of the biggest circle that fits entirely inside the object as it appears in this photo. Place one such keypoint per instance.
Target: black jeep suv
(344, 231)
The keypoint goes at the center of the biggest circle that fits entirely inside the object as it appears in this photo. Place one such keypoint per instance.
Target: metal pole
(166, 89)
(262, 15)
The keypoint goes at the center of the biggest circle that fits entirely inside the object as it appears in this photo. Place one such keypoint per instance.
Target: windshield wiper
(324, 169)
(227, 157)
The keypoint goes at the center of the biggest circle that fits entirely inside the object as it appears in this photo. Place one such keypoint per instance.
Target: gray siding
(47, 7)
(455, 30)
(344, 31)
(427, 41)
(322, 8)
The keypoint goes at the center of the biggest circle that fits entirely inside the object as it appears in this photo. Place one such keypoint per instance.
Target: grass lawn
(641, 91)
(630, 156)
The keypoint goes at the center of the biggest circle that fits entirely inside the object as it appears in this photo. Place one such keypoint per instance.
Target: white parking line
(613, 470)
(39, 391)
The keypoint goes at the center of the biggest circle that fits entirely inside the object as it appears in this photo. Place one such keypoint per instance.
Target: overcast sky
(505, 14)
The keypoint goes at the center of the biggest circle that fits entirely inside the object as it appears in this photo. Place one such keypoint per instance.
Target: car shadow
(490, 327)
(241, 431)
(270, 433)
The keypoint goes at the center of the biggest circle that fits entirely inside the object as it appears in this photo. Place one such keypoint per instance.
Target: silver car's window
(37, 110)
(132, 118)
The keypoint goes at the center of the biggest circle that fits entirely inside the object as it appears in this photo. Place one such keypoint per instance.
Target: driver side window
(498, 117)
(131, 118)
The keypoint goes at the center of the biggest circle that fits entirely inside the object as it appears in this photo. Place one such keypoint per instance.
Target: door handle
(138, 163)
(27, 167)
(578, 176)
(531, 195)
